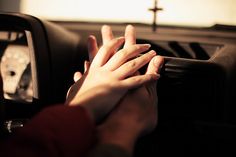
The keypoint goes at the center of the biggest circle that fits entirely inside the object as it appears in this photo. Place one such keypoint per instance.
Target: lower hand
(135, 115)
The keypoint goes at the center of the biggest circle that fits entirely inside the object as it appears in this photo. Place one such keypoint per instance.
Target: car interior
(196, 91)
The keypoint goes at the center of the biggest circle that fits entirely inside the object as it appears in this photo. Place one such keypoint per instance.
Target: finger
(67, 94)
(155, 64)
(86, 66)
(130, 36)
(92, 47)
(77, 76)
(107, 34)
(137, 81)
(132, 66)
(125, 54)
(106, 51)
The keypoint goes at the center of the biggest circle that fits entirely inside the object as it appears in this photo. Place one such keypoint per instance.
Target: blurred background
(175, 12)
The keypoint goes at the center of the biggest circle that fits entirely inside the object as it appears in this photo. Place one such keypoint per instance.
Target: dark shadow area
(199, 51)
(179, 49)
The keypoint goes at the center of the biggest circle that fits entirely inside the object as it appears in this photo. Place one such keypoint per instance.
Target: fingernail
(157, 61)
(146, 46)
(121, 38)
(105, 26)
(91, 36)
(152, 52)
(156, 76)
(86, 62)
(130, 26)
(90, 40)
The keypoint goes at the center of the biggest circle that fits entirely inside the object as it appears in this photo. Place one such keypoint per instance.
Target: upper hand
(110, 76)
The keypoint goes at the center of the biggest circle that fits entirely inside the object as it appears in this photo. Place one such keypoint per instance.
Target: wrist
(119, 134)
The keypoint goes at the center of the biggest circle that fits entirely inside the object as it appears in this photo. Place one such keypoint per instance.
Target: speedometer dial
(16, 73)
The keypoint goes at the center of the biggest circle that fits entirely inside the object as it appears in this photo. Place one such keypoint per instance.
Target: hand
(136, 114)
(110, 76)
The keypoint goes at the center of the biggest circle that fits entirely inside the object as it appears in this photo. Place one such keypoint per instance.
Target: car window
(177, 12)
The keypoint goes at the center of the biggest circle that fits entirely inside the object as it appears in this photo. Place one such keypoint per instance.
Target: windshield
(175, 12)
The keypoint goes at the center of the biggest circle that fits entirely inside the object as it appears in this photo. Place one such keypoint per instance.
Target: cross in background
(155, 9)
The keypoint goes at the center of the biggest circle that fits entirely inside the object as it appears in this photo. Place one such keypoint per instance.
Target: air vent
(189, 50)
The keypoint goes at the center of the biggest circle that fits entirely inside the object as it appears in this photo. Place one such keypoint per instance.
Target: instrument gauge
(16, 73)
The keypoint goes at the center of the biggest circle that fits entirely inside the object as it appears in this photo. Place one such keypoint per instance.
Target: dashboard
(196, 90)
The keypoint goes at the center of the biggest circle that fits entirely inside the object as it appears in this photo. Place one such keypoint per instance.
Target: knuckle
(123, 53)
(146, 57)
(150, 77)
(138, 80)
(106, 48)
(137, 47)
(132, 64)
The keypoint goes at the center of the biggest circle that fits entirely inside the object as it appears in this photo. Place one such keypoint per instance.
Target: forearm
(56, 130)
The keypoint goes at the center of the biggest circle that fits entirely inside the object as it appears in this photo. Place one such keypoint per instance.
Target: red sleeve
(56, 131)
